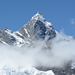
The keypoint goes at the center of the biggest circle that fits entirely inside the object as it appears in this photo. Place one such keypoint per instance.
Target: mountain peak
(38, 27)
(38, 16)
(39, 13)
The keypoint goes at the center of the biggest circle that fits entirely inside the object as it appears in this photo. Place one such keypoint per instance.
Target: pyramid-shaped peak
(38, 16)
(39, 13)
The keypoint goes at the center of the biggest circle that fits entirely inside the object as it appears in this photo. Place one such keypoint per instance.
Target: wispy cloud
(72, 21)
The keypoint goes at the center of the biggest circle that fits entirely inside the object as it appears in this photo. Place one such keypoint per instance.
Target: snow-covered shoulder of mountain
(9, 37)
(17, 37)
(24, 71)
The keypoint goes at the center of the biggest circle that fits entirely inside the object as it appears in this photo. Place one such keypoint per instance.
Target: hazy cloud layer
(61, 51)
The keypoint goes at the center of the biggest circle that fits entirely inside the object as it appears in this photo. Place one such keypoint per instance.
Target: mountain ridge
(36, 28)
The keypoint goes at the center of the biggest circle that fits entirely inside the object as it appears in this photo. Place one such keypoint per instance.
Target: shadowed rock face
(65, 70)
(42, 31)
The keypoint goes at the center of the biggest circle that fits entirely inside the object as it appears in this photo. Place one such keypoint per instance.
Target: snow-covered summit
(38, 16)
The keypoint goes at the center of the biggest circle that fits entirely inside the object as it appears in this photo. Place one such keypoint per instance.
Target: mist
(61, 51)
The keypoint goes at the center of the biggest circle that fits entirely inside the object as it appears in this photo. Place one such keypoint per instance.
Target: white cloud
(60, 52)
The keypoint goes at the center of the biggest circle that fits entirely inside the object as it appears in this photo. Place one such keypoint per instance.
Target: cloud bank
(61, 50)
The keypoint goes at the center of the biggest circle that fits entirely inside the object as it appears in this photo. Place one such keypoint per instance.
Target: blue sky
(61, 13)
